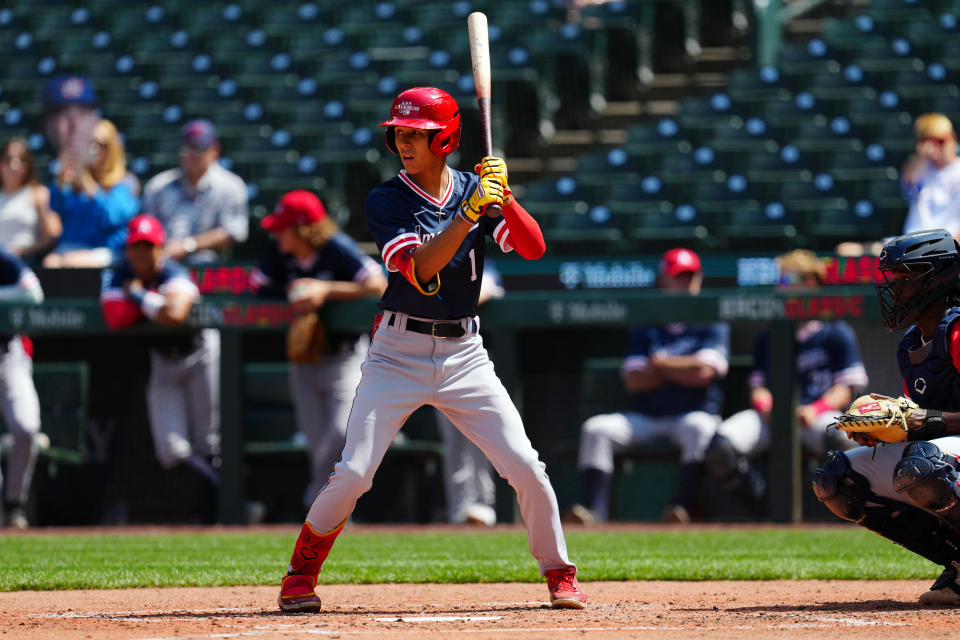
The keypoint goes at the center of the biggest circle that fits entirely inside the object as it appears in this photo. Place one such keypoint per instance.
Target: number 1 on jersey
(473, 265)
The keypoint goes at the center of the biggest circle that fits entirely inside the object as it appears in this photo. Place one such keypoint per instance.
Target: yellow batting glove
(489, 191)
(493, 166)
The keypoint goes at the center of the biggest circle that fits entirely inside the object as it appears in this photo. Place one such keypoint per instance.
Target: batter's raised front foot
(297, 594)
(565, 593)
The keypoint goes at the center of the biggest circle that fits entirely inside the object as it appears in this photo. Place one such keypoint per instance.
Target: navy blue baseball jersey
(172, 277)
(340, 259)
(826, 354)
(709, 343)
(401, 215)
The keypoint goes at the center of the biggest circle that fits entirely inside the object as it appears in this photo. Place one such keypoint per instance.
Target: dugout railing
(510, 322)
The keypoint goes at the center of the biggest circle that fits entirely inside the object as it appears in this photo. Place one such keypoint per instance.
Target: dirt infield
(741, 610)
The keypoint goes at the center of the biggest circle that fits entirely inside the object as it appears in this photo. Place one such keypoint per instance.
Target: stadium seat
(552, 197)
(607, 167)
(663, 136)
(680, 225)
(851, 34)
(701, 164)
(872, 163)
(896, 135)
(857, 222)
(595, 231)
(822, 192)
(788, 114)
(645, 195)
(928, 36)
(757, 84)
(827, 136)
(842, 84)
(873, 112)
(722, 197)
(924, 85)
(752, 135)
(703, 114)
(807, 58)
(896, 55)
(785, 165)
(778, 227)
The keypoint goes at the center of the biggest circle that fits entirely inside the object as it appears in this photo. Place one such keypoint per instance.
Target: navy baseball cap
(199, 133)
(61, 91)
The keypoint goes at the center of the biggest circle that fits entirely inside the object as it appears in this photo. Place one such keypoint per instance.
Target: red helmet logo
(426, 108)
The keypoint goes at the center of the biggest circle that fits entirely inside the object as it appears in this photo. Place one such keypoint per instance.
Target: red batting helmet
(426, 108)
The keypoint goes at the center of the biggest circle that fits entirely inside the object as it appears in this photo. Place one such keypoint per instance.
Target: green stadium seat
(922, 85)
(822, 192)
(896, 135)
(789, 114)
(778, 227)
(664, 136)
(607, 167)
(757, 84)
(851, 34)
(824, 135)
(807, 58)
(647, 194)
(872, 163)
(842, 84)
(787, 164)
(683, 225)
(282, 19)
(857, 222)
(722, 197)
(930, 35)
(895, 55)
(701, 164)
(704, 113)
(887, 195)
(752, 135)
(873, 112)
(596, 231)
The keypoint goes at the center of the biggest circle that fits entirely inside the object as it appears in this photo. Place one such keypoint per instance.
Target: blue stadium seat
(895, 55)
(607, 167)
(872, 163)
(872, 112)
(778, 227)
(595, 231)
(701, 164)
(703, 114)
(857, 222)
(922, 85)
(682, 224)
(736, 192)
(806, 58)
(647, 194)
(842, 84)
(852, 34)
(828, 136)
(790, 113)
(751, 135)
(552, 197)
(757, 84)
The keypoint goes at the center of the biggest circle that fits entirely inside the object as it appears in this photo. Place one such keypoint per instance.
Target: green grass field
(238, 558)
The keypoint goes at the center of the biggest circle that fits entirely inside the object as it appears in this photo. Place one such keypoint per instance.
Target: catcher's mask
(918, 268)
(426, 108)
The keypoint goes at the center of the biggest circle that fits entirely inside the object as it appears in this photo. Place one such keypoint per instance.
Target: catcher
(903, 482)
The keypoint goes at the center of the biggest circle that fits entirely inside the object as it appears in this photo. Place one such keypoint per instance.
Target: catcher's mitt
(306, 339)
(880, 417)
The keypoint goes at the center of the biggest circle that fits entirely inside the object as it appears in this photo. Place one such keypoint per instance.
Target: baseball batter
(430, 224)
(313, 262)
(18, 395)
(183, 395)
(908, 492)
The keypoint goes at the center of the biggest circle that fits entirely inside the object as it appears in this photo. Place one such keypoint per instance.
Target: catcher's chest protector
(932, 380)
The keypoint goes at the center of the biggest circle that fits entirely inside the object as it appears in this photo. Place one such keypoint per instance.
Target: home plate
(440, 619)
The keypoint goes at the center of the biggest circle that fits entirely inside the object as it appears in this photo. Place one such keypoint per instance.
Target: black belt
(437, 329)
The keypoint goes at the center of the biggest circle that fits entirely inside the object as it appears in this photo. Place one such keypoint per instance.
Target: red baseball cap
(677, 261)
(144, 228)
(294, 208)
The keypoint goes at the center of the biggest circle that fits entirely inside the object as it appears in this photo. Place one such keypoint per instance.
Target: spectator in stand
(28, 227)
(674, 372)
(96, 197)
(203, 206)
(70, 114)
(931, 177)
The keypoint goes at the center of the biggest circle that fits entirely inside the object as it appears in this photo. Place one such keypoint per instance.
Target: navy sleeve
(269, 277)
(392, 227)
(843, 349)
(11, 268)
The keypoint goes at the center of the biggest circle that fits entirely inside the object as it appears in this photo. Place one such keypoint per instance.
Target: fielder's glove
(306, 339)
(885, 419)
(489, 191)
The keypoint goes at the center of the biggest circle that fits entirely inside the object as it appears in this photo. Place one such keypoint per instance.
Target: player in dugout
(181, 392)
(430, 223)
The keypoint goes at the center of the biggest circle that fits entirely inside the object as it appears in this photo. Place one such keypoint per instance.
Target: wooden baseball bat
(480, 61)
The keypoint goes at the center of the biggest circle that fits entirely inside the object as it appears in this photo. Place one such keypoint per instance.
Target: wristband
(933, 427)
(762, 405)
(466, 219)
(822, 406)
(136, 294)
(152, 303)
(189, 244)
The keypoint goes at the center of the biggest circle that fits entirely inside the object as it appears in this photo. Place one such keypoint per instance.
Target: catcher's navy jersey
(929, 373)
(401, 215)
(826, 354)
(338, 260)
(709, 343)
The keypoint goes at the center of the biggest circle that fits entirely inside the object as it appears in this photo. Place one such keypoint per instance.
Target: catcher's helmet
(918, 268)
(426, 108)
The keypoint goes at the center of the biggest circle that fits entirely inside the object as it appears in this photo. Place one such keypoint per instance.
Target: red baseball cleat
(565, 593)
(297, 594)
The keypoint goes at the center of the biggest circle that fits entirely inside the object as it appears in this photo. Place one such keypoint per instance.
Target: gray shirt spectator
(203, 206)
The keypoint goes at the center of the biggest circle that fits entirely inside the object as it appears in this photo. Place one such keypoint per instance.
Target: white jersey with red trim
(401, 216)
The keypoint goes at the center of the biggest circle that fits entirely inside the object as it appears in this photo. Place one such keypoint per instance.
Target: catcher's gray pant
(183, 401)
(467, 476)
(876, 463)
(402, 372)
(21, 413)
(322, 393)
(604, 435)
(750, 435)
